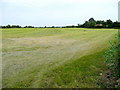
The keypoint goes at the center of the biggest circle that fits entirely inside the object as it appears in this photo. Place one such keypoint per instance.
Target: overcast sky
(56, 12)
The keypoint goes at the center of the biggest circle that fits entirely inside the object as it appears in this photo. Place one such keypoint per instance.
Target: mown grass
(31, 55)
(36, 32)
(82, 73)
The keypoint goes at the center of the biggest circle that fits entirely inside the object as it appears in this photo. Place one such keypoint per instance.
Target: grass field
(54, 57)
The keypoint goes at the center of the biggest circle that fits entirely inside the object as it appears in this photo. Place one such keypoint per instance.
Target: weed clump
(111, 78)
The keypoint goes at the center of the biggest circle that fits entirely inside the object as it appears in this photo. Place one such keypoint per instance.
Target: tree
(92, 20)
(103, 23)
(78, 24)
(109, 23)
(91, 23)
(15, 26)
(116, 24)
(53, 27)
(8, 26)
(86, 24)
(29, 27)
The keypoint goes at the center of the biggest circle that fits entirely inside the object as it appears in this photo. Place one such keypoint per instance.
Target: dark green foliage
(116, 24)
(29, 27)
(113, 63)
(11, 26)
(91, 23)
(112, 56)
(92, 20)
(101, 22)
(109, 23)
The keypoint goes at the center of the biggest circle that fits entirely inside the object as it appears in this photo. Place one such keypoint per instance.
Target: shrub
(113, 63)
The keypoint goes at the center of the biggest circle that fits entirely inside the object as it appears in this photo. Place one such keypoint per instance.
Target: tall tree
(109, 23)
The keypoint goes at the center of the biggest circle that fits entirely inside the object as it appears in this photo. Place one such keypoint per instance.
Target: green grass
(82, 73)
(34, 57)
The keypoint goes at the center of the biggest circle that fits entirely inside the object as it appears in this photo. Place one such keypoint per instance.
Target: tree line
(91, 23)
(16, 26)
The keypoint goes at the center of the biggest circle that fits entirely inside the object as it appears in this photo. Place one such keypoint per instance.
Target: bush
(113, 63)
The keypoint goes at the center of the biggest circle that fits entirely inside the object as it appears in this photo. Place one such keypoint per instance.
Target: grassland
(54, 57)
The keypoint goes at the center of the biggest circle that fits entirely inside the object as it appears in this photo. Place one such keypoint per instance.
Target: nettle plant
(113, 57)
